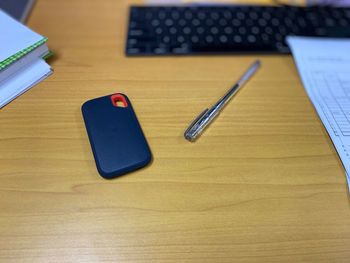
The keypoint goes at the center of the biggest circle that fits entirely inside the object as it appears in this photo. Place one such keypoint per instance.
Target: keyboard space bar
(231, 48)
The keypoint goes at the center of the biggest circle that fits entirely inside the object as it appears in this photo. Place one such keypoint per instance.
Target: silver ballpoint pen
(208, 115)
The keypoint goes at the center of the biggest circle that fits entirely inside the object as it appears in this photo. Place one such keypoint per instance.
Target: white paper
(14, 36)
(23, 80)
(324, 67)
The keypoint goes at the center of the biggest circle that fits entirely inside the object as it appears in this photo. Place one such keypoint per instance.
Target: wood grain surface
(263, 184)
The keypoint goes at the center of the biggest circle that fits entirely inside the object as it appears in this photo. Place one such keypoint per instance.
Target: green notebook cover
(18, 55)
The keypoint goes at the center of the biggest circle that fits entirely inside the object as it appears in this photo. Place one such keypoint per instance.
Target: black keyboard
(186, 30)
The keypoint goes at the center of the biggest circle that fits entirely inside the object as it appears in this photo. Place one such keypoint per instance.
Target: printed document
(324, 68)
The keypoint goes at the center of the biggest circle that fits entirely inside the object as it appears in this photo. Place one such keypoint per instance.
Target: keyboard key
(169, 22)
(200, 30)
(223, 39)
(187, 30)
(195, 39)
(214, 30)
(237, 39)
(209, 39)
(251, 39)
(236, 22)
(228, 30)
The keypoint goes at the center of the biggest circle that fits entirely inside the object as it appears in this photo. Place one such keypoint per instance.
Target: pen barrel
(226, 98)
(200, 125)
(208, 115)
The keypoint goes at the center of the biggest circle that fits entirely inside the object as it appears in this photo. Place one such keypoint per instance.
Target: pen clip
(189, 131)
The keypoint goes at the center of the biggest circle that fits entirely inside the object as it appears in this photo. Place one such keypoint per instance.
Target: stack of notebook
(22, 58)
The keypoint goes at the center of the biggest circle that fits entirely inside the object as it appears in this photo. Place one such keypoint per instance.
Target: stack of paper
(324, 67)
(22, 63)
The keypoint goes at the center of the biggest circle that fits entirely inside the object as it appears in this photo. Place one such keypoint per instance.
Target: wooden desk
(264, 184)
